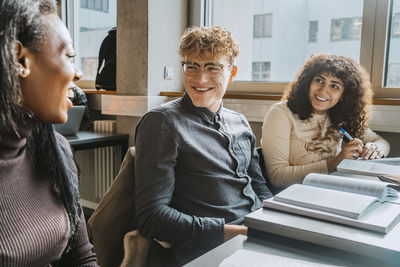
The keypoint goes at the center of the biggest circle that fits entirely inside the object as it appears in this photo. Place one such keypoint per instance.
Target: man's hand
(231, 230)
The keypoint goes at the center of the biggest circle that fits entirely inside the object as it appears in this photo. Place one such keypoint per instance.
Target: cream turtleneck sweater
(293, 148)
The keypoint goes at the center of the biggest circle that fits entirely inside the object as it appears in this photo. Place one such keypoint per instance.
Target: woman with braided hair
(41, 220)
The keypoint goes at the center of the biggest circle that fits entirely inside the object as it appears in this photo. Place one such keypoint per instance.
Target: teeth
(320, 98)
(200, 89)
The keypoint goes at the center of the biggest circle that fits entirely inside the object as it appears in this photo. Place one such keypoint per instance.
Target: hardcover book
(350, 201)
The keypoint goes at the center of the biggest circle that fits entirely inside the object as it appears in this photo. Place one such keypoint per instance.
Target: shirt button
(231, 151)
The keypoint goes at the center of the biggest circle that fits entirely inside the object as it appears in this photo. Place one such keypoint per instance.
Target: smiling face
(50, 75)
(325, 92)
(206, 91)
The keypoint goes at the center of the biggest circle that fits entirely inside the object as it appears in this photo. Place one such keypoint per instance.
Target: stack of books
(363, 203)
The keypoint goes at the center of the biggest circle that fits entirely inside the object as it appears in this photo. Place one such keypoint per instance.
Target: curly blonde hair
(353, 109)
(197, 41)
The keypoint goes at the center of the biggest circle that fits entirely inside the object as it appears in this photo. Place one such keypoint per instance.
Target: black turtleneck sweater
(34, 225)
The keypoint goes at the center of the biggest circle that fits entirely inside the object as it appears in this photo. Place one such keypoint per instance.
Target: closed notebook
(369, 167)
(338, 202)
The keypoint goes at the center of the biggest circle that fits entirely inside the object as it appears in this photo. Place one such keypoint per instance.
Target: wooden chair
(112, 227)
(115, 217)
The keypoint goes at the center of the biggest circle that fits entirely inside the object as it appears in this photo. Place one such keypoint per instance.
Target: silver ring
(354, 154)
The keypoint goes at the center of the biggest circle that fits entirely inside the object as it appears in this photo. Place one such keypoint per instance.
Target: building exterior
(276, 37)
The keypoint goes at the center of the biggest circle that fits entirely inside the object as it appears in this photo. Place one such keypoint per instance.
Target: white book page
(338, 202)
(366, 187)
(355, 175)
(251, 258)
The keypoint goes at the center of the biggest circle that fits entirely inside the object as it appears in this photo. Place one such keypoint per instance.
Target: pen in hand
(365, 154)
(346, 134)
(356, 153)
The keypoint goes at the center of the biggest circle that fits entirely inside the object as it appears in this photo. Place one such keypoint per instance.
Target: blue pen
(346, 134)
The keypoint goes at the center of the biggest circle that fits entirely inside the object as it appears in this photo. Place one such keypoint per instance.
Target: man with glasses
(197, 171)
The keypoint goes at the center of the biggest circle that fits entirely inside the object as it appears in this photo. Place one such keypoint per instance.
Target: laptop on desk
(71, 127)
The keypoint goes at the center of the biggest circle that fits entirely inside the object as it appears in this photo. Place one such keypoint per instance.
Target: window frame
(372, 49)
(381, 51)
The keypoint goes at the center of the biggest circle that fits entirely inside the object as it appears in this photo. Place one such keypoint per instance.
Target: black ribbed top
(34, 225)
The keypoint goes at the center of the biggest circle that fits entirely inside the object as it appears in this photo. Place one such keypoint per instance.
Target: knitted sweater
(293, 148)
(34, 225)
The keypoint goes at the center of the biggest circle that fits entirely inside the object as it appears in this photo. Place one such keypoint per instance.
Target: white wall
(167, 21)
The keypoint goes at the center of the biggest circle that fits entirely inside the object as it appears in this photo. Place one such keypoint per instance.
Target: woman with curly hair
(301, 134)
(41, 220)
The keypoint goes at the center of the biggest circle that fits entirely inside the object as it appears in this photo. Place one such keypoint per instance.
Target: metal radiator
(106, 160)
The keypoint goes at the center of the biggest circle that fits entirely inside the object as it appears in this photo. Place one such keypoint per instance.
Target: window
(262, 26)
(396, 25)
(261, 71)
(346, 29)
(89, 67)
(393, 74)
(392, 77)
(99, 5)
(301, 29)
(91, 21)
(312, 31)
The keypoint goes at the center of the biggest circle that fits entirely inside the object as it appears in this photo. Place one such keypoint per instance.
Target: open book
(339, 195)
(341, 199)
(370, 167)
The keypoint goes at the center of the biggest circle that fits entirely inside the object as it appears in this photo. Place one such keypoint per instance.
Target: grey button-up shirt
(195, 170)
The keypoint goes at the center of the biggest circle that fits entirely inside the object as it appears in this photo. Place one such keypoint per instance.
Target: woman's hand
(352, 150)
(372, 151)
